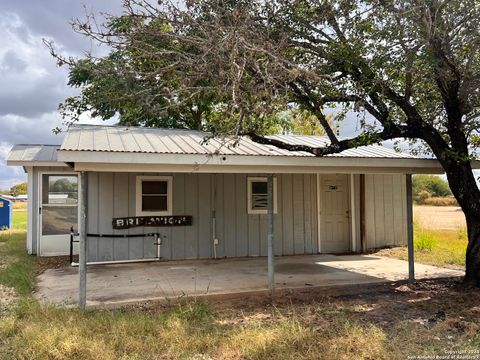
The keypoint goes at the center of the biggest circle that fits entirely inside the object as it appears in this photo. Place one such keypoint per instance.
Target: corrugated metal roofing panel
(113, 142)
(175, 141)
(44, 153)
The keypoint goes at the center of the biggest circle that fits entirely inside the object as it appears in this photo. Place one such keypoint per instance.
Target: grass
(343, 328)
(19, 220)
(424, 241)
(383, 325)
(435, 247)
(17, 268)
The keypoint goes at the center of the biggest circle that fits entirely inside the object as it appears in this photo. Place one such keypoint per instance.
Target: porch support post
(411, 260)
(82, 256)
(271, 264)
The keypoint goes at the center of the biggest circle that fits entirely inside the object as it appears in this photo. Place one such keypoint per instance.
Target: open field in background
(383, 322)
(20, 205)
(439, 217)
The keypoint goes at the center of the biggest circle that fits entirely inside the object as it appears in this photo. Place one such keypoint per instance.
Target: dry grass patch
(43, 332)
(20, 205)
(423, 319)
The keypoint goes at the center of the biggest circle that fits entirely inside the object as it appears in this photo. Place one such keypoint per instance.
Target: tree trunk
(472, 262)
(465, 189)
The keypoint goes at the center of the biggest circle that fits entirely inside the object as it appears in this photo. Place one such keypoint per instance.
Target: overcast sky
(31, 85)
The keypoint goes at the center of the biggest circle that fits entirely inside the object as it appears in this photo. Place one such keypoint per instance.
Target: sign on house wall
(131, 222)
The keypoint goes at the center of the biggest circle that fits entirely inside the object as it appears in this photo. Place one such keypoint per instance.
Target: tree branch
(363, 139)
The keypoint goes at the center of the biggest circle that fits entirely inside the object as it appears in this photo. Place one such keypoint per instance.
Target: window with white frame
(258, 195)
(154, 195)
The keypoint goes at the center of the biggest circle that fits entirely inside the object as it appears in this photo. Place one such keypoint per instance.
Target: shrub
(441, 201)
(434, 184)
(422, 196)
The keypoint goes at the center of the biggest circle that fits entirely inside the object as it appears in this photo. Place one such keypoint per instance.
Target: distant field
(439, 217)
(19, 205)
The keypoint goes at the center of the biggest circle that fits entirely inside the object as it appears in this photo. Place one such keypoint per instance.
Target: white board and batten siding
(112, 195)
(296, 223)
(385, 210)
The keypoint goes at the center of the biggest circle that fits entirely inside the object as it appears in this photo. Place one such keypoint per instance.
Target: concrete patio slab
(126, 283)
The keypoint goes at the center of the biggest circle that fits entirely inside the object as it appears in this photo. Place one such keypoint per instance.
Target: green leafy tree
(19, 189)
(410, 69)
(432, 184)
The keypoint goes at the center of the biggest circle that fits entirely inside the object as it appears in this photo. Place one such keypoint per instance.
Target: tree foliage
(19, 189)
(434, 185)
(395, 60)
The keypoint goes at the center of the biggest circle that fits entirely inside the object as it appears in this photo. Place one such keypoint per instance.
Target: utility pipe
(109, 262)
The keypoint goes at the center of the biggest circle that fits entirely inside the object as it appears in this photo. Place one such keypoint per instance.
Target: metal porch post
(271, 264)
(411, 260)
(82, 256)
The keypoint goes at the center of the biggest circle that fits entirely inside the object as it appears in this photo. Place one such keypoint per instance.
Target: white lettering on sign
(125, 223)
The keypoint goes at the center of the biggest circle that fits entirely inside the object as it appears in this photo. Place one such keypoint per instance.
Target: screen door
(59, 212)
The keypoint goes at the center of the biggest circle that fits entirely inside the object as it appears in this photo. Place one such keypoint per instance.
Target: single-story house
(208, 197)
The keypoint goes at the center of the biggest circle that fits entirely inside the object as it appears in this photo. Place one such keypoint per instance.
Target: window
(258, 195)
(154, 195)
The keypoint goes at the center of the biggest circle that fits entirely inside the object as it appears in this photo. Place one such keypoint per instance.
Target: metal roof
(173, 141)
(33, 153)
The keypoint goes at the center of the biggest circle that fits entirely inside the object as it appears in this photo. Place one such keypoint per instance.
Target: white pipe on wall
(118, 262)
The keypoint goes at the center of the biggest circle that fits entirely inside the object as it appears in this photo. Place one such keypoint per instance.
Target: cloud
(31, 85)
(52, 18)
(31, 82)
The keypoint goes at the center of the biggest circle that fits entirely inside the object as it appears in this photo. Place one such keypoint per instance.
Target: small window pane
(154, 203)
(57, 220)
(59, 189)
(154, 187)
(259, 195)
(259, 187)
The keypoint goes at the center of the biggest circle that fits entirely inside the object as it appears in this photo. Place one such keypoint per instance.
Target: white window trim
(251, 179)
(138, 202)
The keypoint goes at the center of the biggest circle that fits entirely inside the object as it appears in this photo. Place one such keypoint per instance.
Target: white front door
(334, 213)
(58, 213)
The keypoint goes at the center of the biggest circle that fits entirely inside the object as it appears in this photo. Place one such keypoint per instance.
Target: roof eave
(217, 163)
(36, 163)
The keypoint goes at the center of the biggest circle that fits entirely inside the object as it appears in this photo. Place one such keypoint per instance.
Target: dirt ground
(8, 298)
(439, 217)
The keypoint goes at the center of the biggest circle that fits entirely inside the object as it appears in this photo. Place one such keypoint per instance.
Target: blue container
(5, 214)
